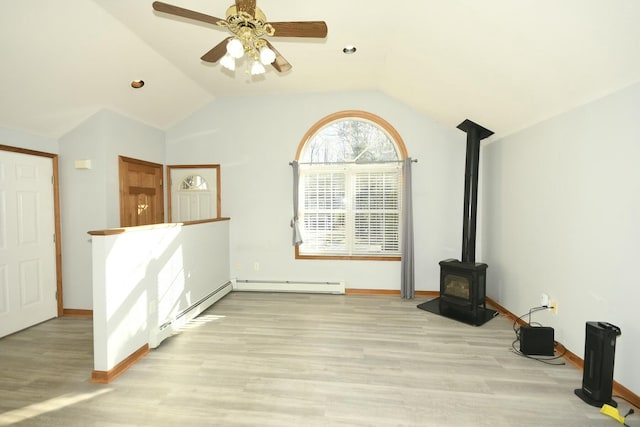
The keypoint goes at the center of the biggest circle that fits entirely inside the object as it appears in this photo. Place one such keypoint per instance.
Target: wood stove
(463, 289)
(463, 283)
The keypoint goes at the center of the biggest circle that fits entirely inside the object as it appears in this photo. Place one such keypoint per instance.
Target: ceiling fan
(249, 25)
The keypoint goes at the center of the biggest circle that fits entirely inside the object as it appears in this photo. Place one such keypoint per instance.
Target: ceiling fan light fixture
(257, 68)
(228, 62)
(267, 56)
(248, 24)
(235, 48)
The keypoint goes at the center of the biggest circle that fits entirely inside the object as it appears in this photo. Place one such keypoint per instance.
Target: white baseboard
(288, 286)
(173, 326)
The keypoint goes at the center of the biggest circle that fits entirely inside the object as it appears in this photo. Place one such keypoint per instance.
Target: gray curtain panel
(407, 280)
(297, 237)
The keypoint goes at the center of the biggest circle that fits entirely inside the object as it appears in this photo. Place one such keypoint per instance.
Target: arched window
(193, 183)
(350, 188)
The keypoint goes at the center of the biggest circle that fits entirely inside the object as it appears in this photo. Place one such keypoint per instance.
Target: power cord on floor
(613, 412)
(631, 411)
(546, 360)
(531, 310)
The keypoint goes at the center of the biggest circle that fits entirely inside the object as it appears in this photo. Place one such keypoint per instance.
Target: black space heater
(599, 354)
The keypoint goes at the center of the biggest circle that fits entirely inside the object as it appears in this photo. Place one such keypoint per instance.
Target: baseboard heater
(173, 325)
(288, 286)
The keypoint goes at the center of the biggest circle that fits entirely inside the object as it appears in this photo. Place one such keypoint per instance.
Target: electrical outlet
(554, 307)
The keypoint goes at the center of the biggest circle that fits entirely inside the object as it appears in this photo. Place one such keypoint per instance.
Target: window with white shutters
(349, 190)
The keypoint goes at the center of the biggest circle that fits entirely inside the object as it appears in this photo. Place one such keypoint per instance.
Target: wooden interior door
(141, 192)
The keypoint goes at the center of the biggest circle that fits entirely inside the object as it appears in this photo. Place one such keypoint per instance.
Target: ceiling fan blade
(217, 51)
(185, 13)
(248, 6)
(317, 29)
(280, 64)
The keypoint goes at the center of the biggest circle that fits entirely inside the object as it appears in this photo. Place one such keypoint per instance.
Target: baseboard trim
(500, 309)
(624, 393)
(431, 294)
(572, 358)
(358, 291)
(74, 312)
(105, 377)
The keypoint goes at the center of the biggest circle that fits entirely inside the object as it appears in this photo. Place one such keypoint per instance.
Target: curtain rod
(355, 163)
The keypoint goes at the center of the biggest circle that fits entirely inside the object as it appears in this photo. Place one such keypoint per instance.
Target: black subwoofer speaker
(537, 340)
(599, 354)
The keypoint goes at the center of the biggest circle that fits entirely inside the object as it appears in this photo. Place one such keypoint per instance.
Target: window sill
(348, 257)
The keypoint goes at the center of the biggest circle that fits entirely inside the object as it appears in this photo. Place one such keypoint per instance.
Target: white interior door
(27, 242)
(194, 193)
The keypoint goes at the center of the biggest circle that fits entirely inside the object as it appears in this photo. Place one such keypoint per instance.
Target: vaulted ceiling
(503, 63)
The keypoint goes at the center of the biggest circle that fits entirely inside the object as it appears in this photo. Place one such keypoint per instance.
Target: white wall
(145, 277)
(561, 215)
(20, 139)
(90, 198)
(255, 138)
(83, 207)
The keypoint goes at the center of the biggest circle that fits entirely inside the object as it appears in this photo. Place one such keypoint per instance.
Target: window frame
(396, 139)
(216, 185)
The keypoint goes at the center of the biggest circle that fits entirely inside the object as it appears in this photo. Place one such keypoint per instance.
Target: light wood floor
(258, 359)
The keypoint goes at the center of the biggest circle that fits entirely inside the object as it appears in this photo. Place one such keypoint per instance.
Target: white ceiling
(505, 64)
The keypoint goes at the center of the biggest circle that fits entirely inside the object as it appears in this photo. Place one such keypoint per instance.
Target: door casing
(217, 210)
(56, 216)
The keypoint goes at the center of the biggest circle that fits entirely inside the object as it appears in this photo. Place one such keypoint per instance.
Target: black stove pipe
(475, 134)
